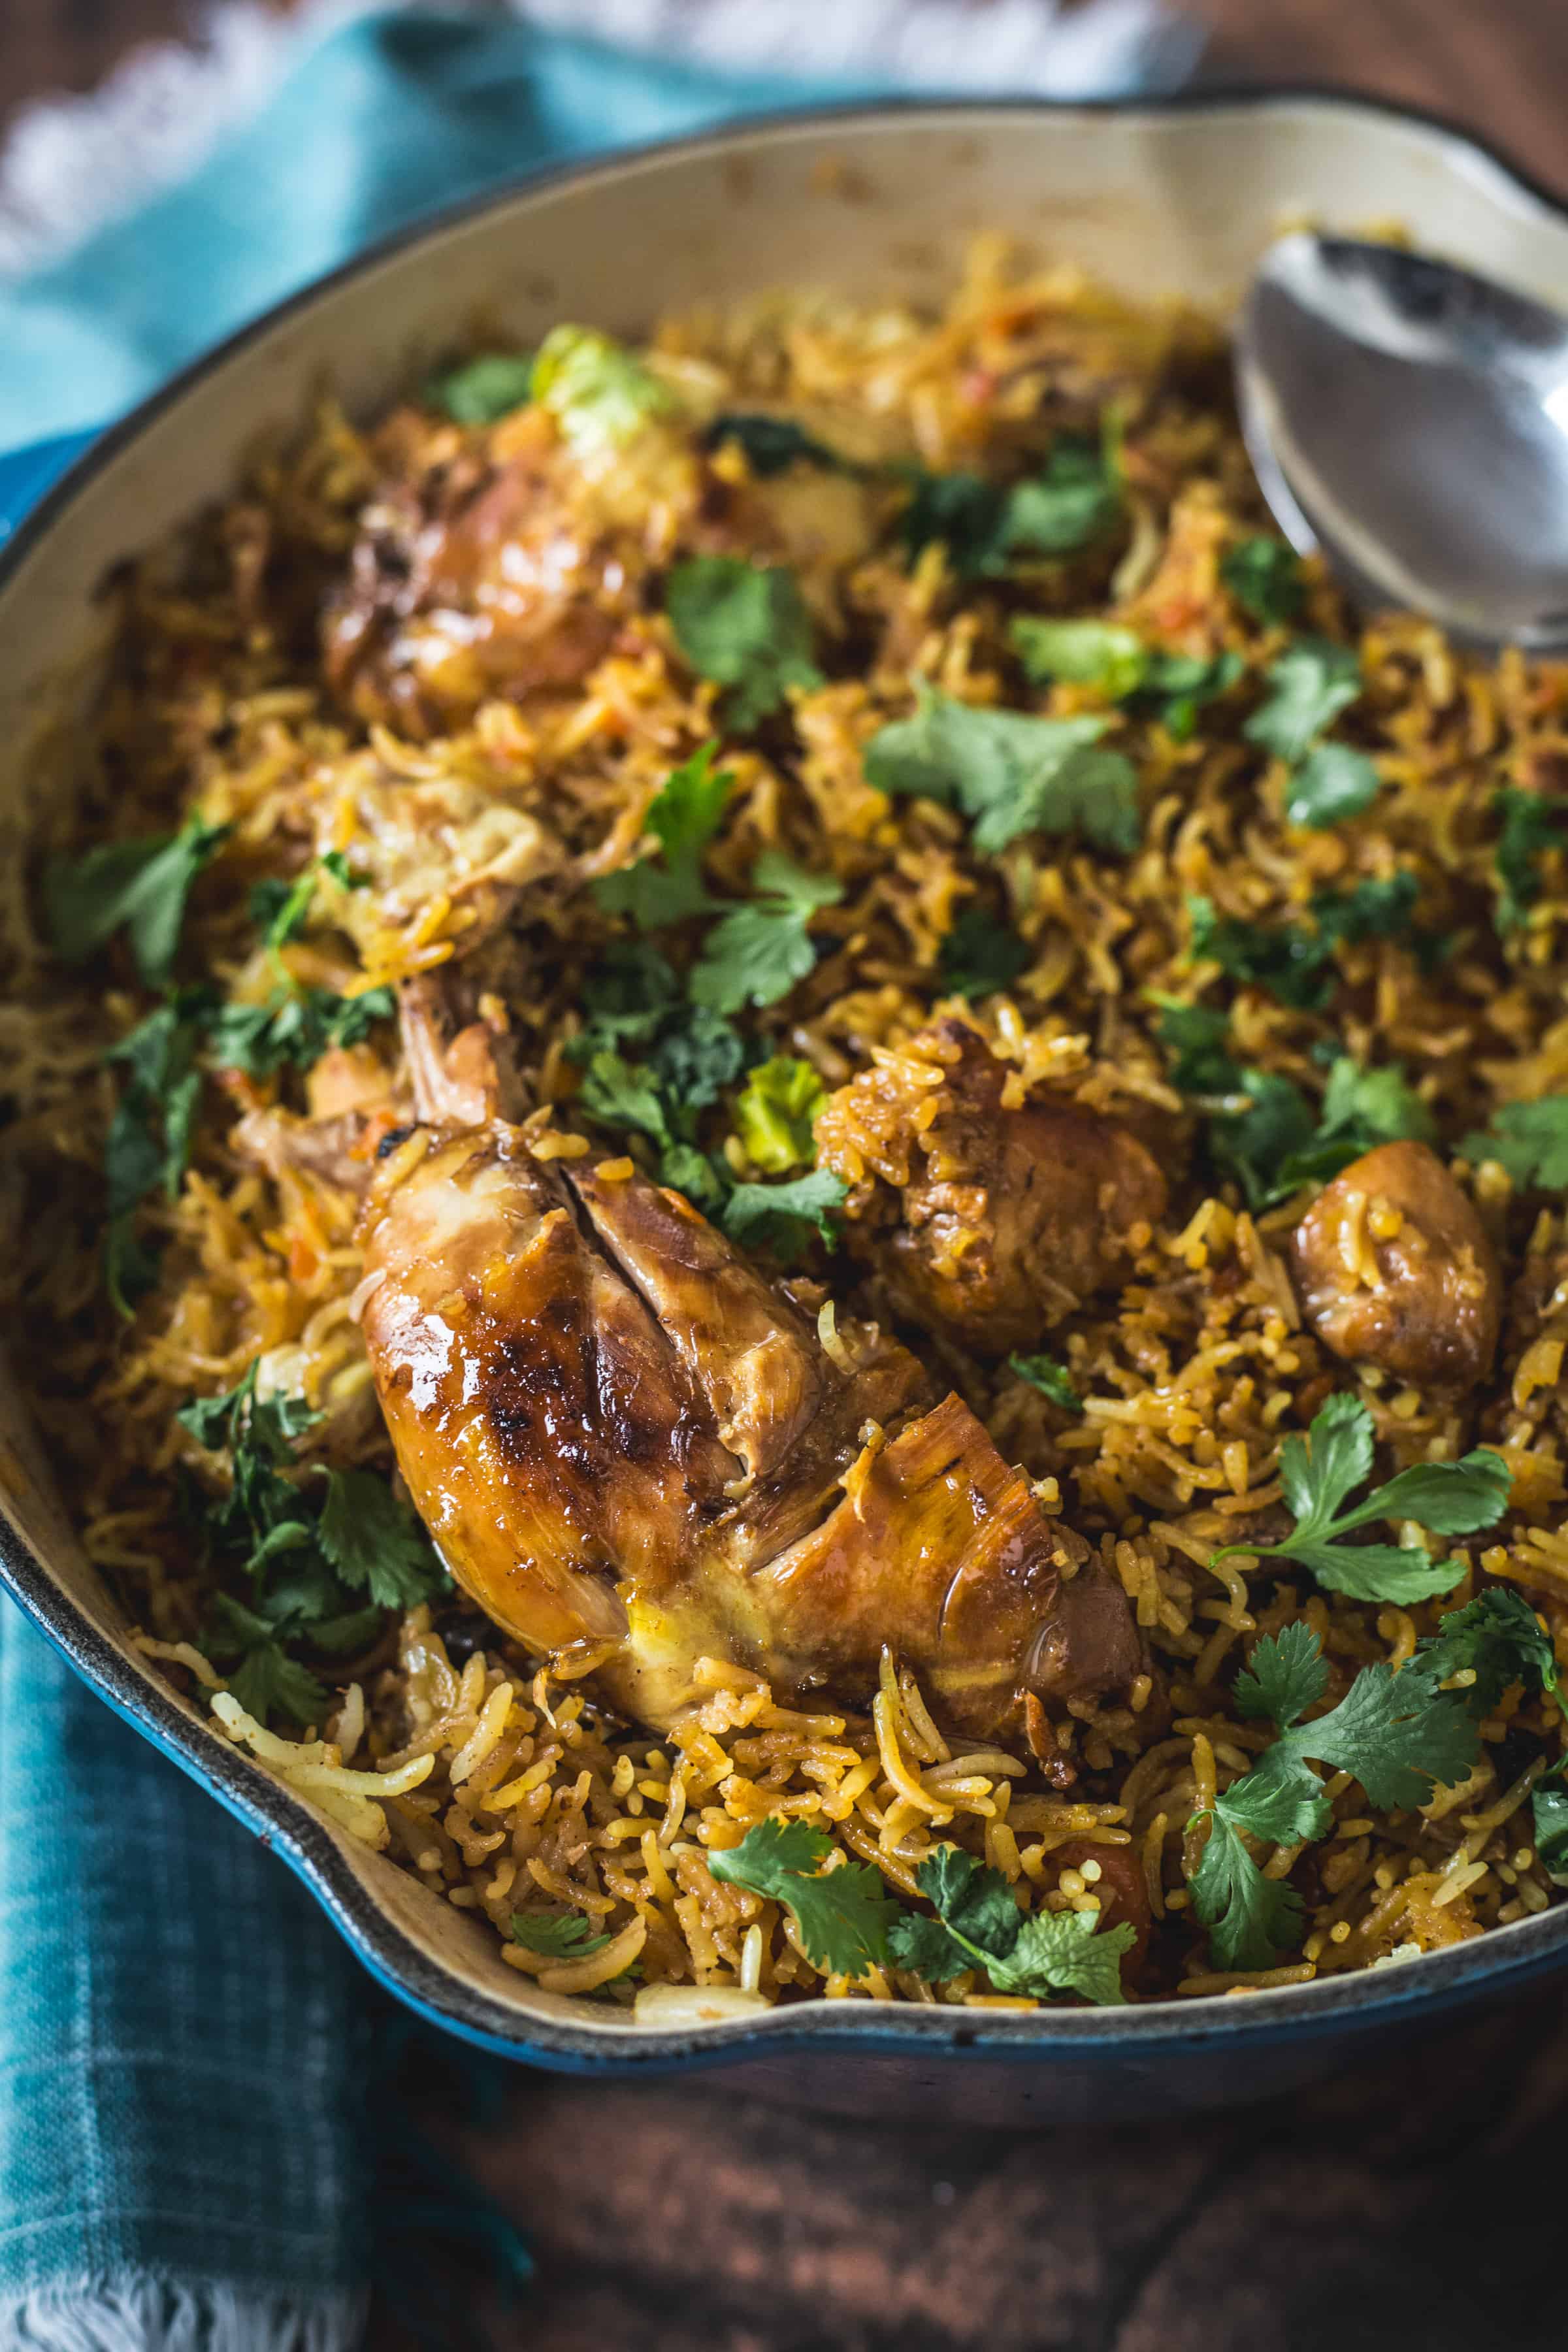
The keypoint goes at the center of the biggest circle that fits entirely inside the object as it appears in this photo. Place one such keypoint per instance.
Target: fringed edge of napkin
(71, 163)
(144, 2312)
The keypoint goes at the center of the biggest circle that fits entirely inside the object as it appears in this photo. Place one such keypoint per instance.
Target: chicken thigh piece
(616, 1429)
(989, 1220)
(1393, 1267)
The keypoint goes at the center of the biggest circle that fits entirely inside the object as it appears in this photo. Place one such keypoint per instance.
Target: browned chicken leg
(616, 1428)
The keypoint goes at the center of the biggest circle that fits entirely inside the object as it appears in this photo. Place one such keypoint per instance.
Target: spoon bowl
(1410, 419)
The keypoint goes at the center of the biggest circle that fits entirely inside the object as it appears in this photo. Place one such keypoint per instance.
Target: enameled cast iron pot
(1153, 198)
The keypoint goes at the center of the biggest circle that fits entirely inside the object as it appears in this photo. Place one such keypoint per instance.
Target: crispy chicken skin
(472, 575)
(616, 1428)
(1005, 1217)
(1393, 1267)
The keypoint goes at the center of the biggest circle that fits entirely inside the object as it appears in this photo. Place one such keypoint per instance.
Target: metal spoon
(1411, 419)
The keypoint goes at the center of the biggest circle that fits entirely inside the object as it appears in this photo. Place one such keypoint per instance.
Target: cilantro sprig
(139, 888)
(848, 1923)
(757, 950)
(988, 527)
(1399, 1734)
(1530, 1139)
(1309, 684)
(744, 625)
(1527, 825)
(1052, 1379)
(1318, 1474)
(1009, 772)
(683, 816)
(981, 954)
(323, 1554)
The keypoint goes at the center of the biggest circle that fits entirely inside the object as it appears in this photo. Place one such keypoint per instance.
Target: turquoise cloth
(184, 2155)
(184, 2049)
(382, 121)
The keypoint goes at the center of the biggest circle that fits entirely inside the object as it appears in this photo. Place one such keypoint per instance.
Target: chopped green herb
(841, 1915)
(1178, 685)
(773, 444)
(683, 816)
(1361, 1109)
(601, 396)
(758, 951)
(1074, 499)
(1318, 1473)
(961, 511)
(980, 1926)
(1052, 1379)
(1330, 783)
(1101, 653)
(376, 1545)
(1198, 1039)
(294, 1026)
(1527, 825)
(980, 954)
(1498, 1640)
(774, 1114)
(621, 1094)
(1264, 575)
(1252, 1145)
(1371, 911)
(1393, 1733)
(1280, 957)
(556, 1934)
(149, 1143)
(138, 887)
(784, 1215)
(1530, 1139)
(1309, 684)
(1549, 1822)
(484, 389)
(745, 626)
(1008, 772)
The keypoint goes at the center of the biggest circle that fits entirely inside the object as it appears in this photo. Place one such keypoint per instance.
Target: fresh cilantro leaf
(840, 1916)
(1528, 823)
(1101, 653)
(980, 955)
(1317, 1474)
(148, 1146)
(1178, 686)
(961, 511)
(1251, 1145)
(1371, 911)
(781, 1214)
(1530, 1139)
(683, 816)
(1285, 1676)
(1052, 1379)
(1330, 783)
(1280, 957)
(746, 626)
(556, 1934)
(625, 998)
(138, 887)
(294, 1026)
(774, 1114)
(1393, 1733)
(1498, 1639)
(773, 444)
(376, 1544)
(599, 395)
(1264, 575)
(707, 1183)
(1309, 684)
(620, 1094)
(1198, 1039)
(1009, 772)
(1074, 499)
(757, 952)
(695, 1056)
(268, 1681)
(1361, 1109)
(1252, 1921)
(982, 1927)
(484, 389)
(1549, 1822)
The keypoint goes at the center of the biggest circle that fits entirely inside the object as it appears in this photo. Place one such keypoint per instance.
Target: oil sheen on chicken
(619, 1432)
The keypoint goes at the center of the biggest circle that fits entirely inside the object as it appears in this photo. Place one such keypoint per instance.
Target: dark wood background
(1417, 2204)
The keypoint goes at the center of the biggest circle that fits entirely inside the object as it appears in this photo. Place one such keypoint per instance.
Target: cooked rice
(500, 1782)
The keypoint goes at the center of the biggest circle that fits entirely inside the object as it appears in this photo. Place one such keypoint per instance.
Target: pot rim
(1503, 1959)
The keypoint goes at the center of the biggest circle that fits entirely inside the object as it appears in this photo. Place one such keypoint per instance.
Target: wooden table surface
(1416, 2205)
